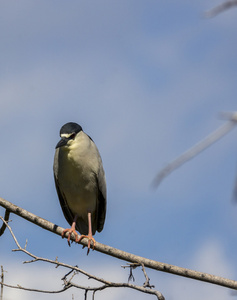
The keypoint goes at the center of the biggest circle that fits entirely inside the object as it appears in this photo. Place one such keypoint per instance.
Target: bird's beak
(61, 143)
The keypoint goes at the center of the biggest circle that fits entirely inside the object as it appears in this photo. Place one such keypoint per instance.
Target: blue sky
(146, 80)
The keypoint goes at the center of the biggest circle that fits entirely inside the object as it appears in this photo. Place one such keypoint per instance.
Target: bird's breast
(77, 181)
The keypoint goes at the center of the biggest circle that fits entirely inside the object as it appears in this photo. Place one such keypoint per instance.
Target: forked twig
(68, 282)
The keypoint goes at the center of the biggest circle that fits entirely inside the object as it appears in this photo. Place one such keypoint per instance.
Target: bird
(80, 183)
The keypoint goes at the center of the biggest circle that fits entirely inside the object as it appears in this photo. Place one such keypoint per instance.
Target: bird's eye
(72, 136)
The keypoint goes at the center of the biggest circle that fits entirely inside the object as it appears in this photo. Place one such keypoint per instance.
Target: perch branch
(148, 263)
(6, 218)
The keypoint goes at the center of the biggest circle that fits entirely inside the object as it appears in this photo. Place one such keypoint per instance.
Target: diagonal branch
(36, 290)
(148, 263)
(196, 149)
(220, 8)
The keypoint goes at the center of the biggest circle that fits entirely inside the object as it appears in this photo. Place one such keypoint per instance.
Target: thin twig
(131, 267)
(65, 276)
(85, 294)
(68, 282)
(131, 277)
(36, 290)
(147, 282)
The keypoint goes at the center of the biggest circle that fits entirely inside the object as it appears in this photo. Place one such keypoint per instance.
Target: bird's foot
(70, 231)
(90, 238)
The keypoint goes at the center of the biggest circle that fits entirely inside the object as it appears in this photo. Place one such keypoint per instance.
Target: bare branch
(74, 269)
(6, 218)
(147, 282)
(86, 292)
(148, 263)
(131, 277)
(125, 285)
(36, 290)
(131, 266)
(220, 8)
(196, 149)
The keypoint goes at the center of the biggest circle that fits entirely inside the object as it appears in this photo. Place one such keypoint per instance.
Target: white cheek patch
(65, 135)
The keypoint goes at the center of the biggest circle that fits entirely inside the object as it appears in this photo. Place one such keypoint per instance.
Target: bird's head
(68, 133)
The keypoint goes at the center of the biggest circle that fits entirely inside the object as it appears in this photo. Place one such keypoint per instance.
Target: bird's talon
(90, 239)
(70, 231)
(68, 240)
(69, 237)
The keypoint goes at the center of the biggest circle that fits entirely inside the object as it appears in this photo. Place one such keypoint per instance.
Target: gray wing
(62, 199)
(101, 211)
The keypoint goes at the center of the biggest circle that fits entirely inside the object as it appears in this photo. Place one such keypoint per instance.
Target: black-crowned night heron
(80, 183)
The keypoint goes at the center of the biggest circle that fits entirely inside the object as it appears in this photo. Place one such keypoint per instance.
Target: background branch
(148, 263)
(196, 149)
(220, 8)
